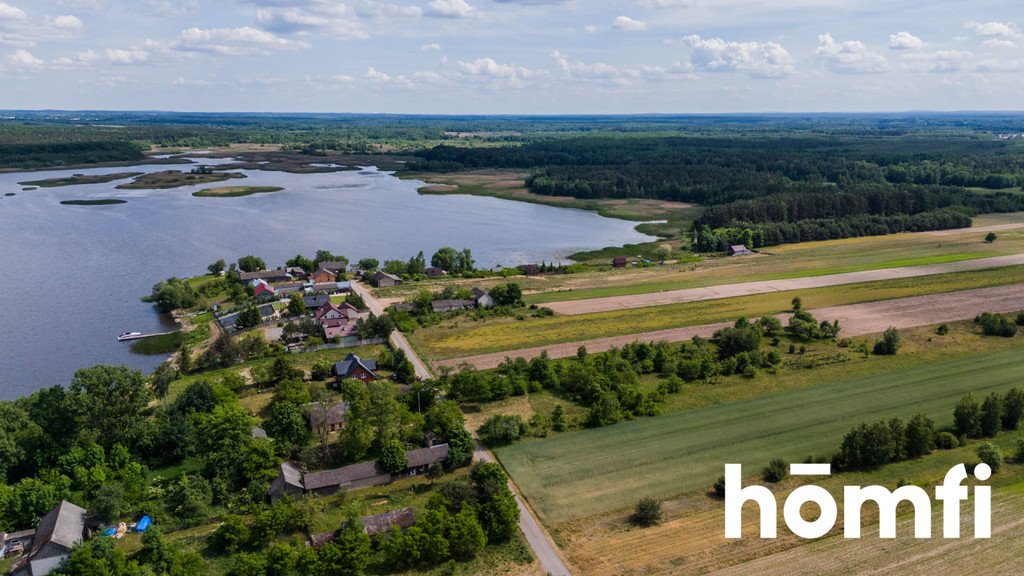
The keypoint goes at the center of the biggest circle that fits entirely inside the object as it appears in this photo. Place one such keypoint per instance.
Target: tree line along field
(463, 338)
(587, 473)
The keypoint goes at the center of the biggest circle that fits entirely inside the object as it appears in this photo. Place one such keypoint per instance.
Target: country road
(398, 340)
(854, 319)
(543, 548)
(593, 305)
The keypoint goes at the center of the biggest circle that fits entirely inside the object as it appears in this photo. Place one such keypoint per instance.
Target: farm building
(333, 417)
(383, 279)
(620, 262)
(277, 275)
(58, 532)
(323, 276)
(372, 525)
(482, 298)
(441, 306)
(739, 250)
(288, 482)
(435, 272)
(334, 266)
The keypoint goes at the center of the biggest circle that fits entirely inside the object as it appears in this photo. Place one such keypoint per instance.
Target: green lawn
(585, 473)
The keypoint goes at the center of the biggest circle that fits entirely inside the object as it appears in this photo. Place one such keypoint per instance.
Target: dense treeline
(67, 153)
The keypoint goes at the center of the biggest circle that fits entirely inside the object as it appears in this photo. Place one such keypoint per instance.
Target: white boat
(128, 336)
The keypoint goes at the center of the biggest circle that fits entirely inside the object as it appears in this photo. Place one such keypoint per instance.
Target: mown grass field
(593, 471)
(691, 541)
(463, 337)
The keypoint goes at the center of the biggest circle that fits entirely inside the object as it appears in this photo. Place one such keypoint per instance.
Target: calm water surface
(71, 276)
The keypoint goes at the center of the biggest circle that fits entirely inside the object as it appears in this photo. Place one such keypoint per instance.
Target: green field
(586, 473)
(465, 338)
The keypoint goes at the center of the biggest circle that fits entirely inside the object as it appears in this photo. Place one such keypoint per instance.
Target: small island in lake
(176, 179)
(97, 202)
(80, 179)
(235, 191)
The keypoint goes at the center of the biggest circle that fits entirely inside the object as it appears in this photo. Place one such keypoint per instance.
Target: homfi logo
(951, 493)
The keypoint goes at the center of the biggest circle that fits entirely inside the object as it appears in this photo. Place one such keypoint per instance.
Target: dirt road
(854, 319)
(992, 228)
(763, 287)
(398, 339)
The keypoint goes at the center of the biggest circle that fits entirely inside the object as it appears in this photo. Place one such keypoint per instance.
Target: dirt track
(992, 228)
(763, 287)
(854, 319)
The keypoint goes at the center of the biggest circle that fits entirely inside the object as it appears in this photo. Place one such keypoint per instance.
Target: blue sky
(512, 56)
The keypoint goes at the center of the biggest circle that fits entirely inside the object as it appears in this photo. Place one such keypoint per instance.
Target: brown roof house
(620, 262)
(365, 474)
(441, 306)
(334, 417)
(58, 532)
(322, 276)
(372, 525)
(739, 250)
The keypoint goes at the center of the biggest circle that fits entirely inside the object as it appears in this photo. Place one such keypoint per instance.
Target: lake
(71, 277)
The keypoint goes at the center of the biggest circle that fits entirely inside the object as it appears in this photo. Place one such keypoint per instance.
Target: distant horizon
(909, 112)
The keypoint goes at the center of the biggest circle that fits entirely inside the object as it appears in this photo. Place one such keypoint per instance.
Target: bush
(647, 512)
(1019, 320)
(942, 330)
(889, 344)
(946, 441)
(1019, 447)
(776, 471)
(996, 325)
(720, 486)
(991, 237)
(990, 454)
(502, 430)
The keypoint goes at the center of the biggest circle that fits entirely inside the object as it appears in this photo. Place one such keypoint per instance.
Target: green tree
(296, 305)
(558, 420)
(190, 498)
(392, 457)
(967, 417)
(446, 258)
(172, 294)
(251, 264)
(109, 400)
(348, 554)
(647, 512)
(368, 264)
(466, 537)
(991, 237)
(920, 436)
(287, 425)
(497, 510)
(502, 430)
(889, 344)
(300, 261)
(161, 378)
(776, 471)
(991, 415)
(1013, 409)
(217, 267)
(249, 317)
(232, 535)
(109, 503)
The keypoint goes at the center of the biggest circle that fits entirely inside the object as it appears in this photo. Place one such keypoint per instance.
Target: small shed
(620, 262)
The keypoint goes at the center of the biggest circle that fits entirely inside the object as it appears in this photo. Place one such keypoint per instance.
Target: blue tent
(143, 524)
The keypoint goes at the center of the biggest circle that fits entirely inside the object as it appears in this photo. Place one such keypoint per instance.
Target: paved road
(763, 287)
(398, 339)
(854, 319)
(543, 548)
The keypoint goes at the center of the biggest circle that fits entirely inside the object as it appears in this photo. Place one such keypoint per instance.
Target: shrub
(502, 430)
(1019, 447)
(889, 344)
(776, 471)
(991, 237)
(647, 512)
(990, 454)
(720, 484)
(942, 330)
(996, 325)
(1019, 320)
(946, 441)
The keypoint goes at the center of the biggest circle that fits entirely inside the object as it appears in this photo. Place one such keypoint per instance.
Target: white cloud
(431, 46)
(627, 23)
(245, 41)
(850, 57)
(904, 41)
(374, 75)
(759, 59)
(590, 29)
(8, 12)
(450, 9)
(127, 56)
(990, 29)
(336, 20)
(182, 81)
(24, 59)
(665, 3)
(938, 61)
(488, 67)
(596, 71)
(343, 78)
(999, 43)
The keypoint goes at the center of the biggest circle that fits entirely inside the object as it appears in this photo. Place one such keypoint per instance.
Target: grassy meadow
(462, 337)
(587, 473)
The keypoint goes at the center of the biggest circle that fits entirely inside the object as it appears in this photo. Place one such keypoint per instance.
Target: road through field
(854, 319)
(593, 305)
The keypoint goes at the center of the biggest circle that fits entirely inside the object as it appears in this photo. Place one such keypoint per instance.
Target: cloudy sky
(512, 56)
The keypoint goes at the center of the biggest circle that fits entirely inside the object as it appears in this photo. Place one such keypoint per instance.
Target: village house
(365, 474)
(323, 276)
(404, 307)
(297, 273)
(58, 532)
(227, 322)
(530, 269)
(329, 287)
(354, 367)
(334, 266)
(441, 306)
(333, 417)
(435, 272)
(289, 288)
(482, 298)
(276, 275)
(316, 300)
(620, 262)
(262, 290)
(338, 328)
(740, 250)
(382, 279)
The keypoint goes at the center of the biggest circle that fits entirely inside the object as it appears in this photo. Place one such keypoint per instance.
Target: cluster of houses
(40, 551)
(291, 481)
(481, 299)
